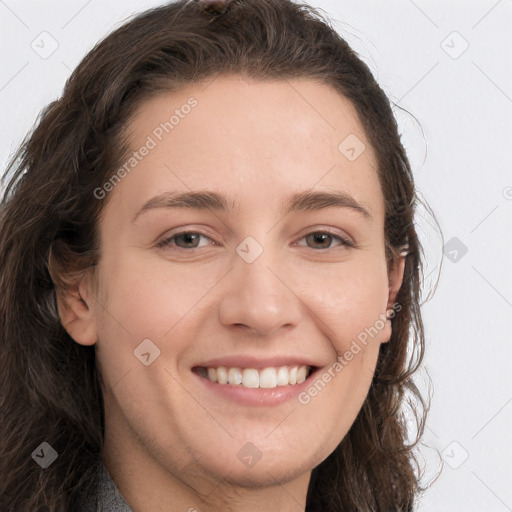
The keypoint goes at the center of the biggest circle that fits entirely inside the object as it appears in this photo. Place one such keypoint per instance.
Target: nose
(259, 297)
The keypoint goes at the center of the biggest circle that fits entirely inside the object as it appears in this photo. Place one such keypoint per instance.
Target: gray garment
(108, 498)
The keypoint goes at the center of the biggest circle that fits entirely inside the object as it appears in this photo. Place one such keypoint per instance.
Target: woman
(210, 275)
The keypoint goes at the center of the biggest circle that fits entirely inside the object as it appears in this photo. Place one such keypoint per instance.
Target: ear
(395, 278)
(76, 312)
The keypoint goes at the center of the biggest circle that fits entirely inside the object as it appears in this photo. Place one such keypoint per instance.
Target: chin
(264, 475)
(268, 471)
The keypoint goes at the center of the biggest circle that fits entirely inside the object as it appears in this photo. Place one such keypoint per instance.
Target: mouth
(253, 378)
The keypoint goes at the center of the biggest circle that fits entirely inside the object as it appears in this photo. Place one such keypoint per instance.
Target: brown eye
(324, 240)
(189, 240)
(184, 240)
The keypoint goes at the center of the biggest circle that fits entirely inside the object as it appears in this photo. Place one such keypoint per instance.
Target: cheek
(352, 304)
(145, 301)
(145, 298)
(350, 312)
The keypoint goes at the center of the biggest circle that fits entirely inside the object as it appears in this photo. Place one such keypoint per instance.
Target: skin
(170, 444)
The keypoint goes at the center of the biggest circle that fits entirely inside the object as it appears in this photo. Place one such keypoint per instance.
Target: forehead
(251, 137)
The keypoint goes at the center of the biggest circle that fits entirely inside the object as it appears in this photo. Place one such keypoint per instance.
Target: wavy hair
(51, 388)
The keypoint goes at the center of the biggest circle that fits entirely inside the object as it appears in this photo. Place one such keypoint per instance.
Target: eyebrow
(207, 200)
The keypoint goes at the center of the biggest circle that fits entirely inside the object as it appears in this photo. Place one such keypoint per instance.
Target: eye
(324, 239)
(185, 240)
(314, 240)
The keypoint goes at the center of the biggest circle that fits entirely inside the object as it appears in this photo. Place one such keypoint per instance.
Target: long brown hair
(50, 386)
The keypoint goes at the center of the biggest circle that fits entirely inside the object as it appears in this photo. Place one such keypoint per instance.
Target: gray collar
(107, 498)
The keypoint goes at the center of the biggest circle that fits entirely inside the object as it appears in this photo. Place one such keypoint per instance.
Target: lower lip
(257, 396)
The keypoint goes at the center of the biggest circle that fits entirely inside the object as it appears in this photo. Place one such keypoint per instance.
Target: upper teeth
(252, 378)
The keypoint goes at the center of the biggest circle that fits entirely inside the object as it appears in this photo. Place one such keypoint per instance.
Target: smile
(268, 378)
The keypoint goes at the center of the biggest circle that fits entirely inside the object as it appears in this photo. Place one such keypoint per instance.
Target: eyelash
(168, 241)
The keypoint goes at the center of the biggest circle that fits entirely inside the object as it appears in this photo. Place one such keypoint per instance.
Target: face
(270, 277)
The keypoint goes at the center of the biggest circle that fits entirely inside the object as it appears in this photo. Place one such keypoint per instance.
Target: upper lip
(246, 361)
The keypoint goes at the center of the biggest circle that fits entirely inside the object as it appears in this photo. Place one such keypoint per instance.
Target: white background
(458, 136)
